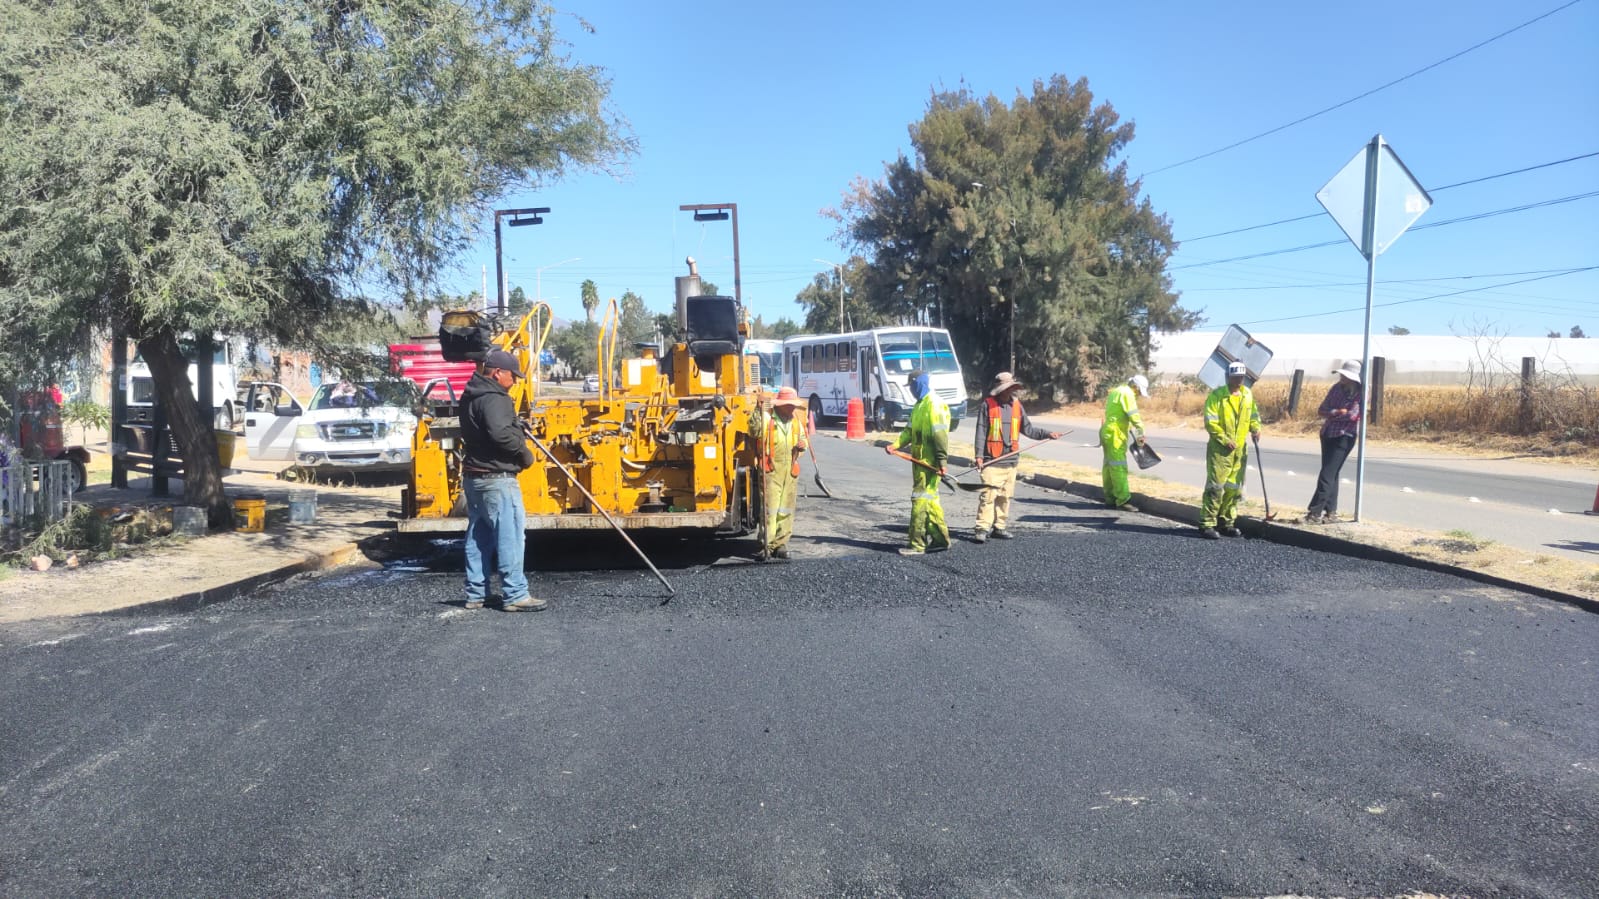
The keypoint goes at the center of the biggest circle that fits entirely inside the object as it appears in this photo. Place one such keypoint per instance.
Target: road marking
(152, 629)
(1555, 512)
(1473, 499)
(56, 642)
(1290, 474)
(1406, 490)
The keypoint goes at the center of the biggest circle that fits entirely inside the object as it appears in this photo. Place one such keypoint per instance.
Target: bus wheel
(815, 406)
(880, 419)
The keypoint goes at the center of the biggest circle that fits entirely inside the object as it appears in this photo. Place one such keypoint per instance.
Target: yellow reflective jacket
(1121, 411)
(927, 436)
(1231, 418)
(782, 443)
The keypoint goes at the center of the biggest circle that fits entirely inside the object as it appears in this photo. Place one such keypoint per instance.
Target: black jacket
(490, 429)
(981, 432)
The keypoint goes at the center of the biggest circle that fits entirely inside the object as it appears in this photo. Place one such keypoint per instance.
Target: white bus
(829, 370)
(770, 354)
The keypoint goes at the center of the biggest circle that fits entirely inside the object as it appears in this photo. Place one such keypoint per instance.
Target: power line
(1454, 221)
(1436, 296)
(1301, 218)
(1540, 271)
(1364, 95)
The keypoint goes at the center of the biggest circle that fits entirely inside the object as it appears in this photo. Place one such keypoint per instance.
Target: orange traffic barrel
(855, 420)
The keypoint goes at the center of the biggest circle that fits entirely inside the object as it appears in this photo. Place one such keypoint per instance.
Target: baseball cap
(502, 360)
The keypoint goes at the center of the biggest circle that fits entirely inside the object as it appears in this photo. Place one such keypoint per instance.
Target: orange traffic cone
(855, 420)
(1595, 509)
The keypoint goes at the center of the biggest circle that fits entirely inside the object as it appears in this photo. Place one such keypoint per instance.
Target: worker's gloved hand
(889, 448)
(1056, 435)
(1140, 440)
(943, 471)
(1231, 446)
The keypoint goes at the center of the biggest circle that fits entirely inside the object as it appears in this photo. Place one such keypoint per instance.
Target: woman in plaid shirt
(1341, 411)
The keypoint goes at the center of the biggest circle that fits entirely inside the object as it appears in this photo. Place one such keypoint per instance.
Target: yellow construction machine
(664, 443)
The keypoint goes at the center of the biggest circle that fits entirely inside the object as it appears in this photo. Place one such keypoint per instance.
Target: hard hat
(1140, 384)
(1237, 369)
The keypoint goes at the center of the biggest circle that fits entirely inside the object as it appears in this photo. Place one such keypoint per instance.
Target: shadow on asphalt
(1577, 546)
(591, 551)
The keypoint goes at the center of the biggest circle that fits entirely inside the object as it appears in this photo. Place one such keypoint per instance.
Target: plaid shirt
(1341, 396)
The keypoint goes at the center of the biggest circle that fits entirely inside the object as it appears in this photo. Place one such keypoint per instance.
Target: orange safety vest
(771, 431)
(996, 443)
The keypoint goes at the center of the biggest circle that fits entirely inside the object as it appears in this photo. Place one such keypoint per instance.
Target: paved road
(1508, 501)
(1104, 707)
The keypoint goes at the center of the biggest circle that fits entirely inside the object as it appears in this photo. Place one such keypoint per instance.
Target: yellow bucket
(225, 448)
(249, 514)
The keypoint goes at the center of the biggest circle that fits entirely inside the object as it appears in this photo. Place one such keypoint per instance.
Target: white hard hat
(1238, 369)
(1140, 384)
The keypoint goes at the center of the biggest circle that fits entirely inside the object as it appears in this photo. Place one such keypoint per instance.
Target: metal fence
(30, 491)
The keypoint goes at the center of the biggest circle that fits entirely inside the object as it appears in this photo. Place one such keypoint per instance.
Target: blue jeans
(495, 536)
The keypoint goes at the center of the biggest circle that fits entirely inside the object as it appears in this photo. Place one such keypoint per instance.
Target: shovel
(948, 481)
(810, 445)
(1146, 457)
(1262, 469)
(1014, 452)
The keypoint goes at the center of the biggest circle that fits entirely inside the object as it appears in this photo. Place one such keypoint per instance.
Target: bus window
(829, 362)
(845, 355)
(807, 361)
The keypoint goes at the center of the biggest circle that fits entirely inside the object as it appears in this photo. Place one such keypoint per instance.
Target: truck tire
(79, 478)
(880, 418)
(814, 406)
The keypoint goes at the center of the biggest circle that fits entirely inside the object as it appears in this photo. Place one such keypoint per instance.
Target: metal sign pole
(1369, 249)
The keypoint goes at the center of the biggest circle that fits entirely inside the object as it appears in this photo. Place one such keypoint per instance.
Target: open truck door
(271, 414)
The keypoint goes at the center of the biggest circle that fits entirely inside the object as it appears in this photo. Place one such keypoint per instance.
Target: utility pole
(841, 326)
(518, 218)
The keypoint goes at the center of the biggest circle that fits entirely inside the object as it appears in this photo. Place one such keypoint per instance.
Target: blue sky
(777, 107)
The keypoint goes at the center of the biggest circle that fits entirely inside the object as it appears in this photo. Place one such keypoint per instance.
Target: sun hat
(1003, 382)
(1350, 369)
(1140, 384)
(503, 361)
(1237, 368)
(786, 397)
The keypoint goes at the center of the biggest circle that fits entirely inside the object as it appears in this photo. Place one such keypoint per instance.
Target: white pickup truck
(348, 426)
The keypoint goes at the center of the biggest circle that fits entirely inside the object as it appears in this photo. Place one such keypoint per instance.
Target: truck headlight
(305, 432)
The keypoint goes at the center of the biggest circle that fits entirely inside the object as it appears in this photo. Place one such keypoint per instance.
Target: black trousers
(1334, 450)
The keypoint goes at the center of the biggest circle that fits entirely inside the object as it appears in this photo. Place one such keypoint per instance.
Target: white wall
(1411, 359)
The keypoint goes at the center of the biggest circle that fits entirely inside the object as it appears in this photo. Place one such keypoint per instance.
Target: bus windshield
(929, 351)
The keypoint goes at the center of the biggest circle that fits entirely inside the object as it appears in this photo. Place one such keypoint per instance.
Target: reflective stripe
(1120, 464)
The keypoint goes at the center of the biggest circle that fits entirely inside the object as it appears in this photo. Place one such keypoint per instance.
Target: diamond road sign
(1400, 199)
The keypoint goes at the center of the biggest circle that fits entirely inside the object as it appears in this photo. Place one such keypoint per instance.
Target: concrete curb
(323, 560)
(1321, 542)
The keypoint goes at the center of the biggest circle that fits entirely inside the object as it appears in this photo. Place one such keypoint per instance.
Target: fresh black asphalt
(1101, 707)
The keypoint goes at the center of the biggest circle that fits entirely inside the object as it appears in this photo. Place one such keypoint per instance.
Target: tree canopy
(1019, 216)
(262, 167)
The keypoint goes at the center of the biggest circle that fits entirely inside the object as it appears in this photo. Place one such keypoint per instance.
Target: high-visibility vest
(796, 431)
(996, 443)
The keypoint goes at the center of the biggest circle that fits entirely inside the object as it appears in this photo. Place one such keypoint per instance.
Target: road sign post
(1373, 198)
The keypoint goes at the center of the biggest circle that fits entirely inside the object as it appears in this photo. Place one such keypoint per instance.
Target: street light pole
(841, 326)
(518, 218)
(538, 277)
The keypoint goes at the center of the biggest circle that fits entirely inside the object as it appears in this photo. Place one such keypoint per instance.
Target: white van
(829, 370)
(225, 411)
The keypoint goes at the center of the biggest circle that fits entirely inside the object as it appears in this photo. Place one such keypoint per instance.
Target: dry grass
(1564, 416)
(1454, 547)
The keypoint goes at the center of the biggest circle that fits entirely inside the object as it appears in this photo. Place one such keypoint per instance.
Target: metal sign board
(1236, 346)
(1400, 198)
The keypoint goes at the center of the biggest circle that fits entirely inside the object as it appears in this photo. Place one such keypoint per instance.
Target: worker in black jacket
(496, 450)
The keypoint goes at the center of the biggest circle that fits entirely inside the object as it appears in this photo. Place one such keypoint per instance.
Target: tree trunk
(190, 425)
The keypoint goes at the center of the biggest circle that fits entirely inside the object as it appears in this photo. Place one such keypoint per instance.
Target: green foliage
(1398, 331)
(86, 413)
(820, 300)
(261, 168)
(638, 323)
(575, 345)
(783, 327)
(1020, 212)
(591, 298)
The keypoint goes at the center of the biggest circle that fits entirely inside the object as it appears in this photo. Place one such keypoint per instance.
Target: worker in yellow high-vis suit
(781, 434)
(927, 438)
(1231, 417)
(1121, 424)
